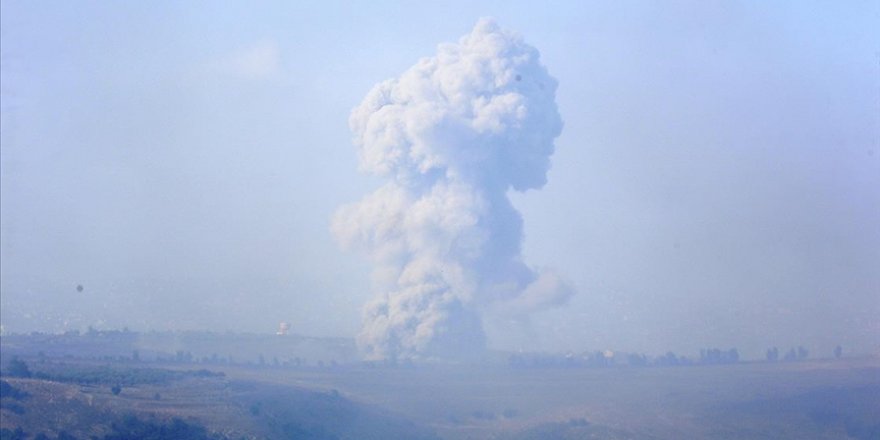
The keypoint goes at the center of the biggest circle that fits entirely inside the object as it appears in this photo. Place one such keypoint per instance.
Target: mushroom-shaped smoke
(452, 135)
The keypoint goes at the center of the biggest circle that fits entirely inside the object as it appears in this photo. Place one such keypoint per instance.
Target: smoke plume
(452, 135)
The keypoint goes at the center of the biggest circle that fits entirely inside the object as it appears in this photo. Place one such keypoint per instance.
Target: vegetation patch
(7, 391)
(103, 374)
(131, 427)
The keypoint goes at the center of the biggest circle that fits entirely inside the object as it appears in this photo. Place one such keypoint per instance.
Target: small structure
(283, 328)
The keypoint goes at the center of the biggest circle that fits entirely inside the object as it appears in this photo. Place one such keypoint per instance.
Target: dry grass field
(817, 399)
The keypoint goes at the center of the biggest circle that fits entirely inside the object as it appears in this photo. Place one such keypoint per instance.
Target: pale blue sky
(717, 182)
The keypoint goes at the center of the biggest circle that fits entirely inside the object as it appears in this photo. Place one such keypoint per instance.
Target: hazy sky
(717, 181)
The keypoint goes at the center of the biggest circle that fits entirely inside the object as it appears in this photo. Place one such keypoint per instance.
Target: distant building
(283, 328)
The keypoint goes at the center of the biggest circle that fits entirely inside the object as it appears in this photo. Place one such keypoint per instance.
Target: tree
(18, 368)
(637, 360)
(838, 351)
(670, 359)
(772, 354)
(116, 389)
(733, 355)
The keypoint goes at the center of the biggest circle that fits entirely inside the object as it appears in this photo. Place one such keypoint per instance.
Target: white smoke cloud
(452, 135)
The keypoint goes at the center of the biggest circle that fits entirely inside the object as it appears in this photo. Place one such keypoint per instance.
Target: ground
(821, 399)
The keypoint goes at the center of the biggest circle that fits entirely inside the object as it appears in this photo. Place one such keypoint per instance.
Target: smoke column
(452, 135)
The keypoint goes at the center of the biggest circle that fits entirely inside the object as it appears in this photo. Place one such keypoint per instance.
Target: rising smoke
(452, 135)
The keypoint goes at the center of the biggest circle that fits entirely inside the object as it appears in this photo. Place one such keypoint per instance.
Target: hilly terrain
(116, 386)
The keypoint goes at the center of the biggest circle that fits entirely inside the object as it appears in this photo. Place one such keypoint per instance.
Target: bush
(9, 391)
(131, 427)
(63, 435)
(8, 434)
(12, 407)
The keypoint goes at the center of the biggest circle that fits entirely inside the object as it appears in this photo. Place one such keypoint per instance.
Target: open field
(223, 408)
(822, 399)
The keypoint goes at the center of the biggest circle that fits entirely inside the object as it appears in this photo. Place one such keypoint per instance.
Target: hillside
(207, 407)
